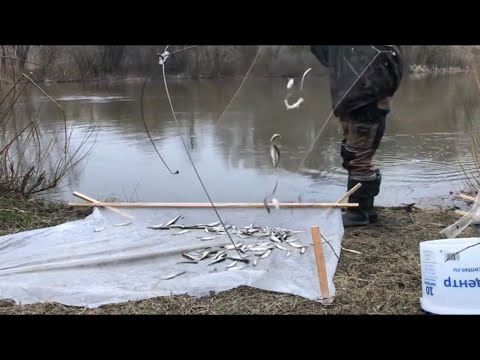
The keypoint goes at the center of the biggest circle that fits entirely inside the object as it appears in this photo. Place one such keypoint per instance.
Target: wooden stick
(460, 212)
(85, 197)
(466, 197)
(218, 205)
(95, 202)
(350, 192)
(320, 261)
(463, 213)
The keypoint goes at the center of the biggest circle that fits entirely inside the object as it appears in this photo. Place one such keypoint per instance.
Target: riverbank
(413, 72)
(383, 279)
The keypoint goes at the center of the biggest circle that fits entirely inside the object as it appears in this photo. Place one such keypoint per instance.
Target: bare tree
(28, 164)
(111, 58)
(48, 56)
(21, 52)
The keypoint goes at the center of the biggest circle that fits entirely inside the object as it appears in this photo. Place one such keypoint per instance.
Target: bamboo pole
(94, 202)
(320, 261)
(350, 192)
(208, 205)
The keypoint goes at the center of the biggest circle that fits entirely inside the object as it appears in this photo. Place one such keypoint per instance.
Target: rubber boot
(372, 212)
(356, 216)
(365, 212)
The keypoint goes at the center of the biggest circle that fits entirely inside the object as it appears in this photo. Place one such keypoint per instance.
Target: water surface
(426, 136)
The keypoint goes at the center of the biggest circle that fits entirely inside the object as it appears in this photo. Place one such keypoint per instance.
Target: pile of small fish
(258, 243)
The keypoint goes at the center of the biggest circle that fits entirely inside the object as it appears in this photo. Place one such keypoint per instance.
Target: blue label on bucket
(429, 285)
(467, 283)
(476, 269)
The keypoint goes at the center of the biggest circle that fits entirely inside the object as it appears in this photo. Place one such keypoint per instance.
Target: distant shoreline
(413, 70)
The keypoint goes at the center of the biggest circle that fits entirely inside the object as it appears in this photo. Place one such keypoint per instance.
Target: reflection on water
(426, 135)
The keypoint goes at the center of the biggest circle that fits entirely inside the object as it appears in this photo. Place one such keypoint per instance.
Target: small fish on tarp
(159, 227)
(221, 254)
(236, 258)
(166, 225)
(207, 238)
(266, 254)
(187, 227)
(173, 221)
(275, 239)
(217, 261)
(278, 246)
(187, 262)
(207, 254)
(122, 224)
(259, 248)
(172, 275)
(297, 246)
(182, 232)
(231, 247)
(238, 267)
(188, 256)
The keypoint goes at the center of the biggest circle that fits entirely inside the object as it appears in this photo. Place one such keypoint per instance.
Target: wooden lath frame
(315, 230)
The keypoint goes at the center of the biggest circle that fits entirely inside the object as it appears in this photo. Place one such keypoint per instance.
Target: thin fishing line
(185, 48)
(241, 84)
(452, 256)
(193, 164)
(331, 247)
(146, 127)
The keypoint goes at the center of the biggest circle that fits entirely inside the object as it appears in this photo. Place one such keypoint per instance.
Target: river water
(426, 137)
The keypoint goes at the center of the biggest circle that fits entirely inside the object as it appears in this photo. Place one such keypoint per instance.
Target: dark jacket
(360, 75)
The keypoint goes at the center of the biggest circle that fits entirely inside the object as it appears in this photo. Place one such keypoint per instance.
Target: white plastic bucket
(453, 286)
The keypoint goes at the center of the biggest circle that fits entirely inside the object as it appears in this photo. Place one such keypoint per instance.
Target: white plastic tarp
(94, 261)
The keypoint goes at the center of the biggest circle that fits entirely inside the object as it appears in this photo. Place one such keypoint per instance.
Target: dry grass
(385, 279)
(19, 214)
